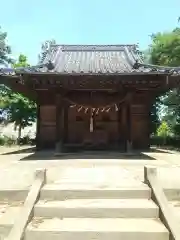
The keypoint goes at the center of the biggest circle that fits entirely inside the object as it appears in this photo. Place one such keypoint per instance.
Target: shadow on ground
(49, 155)
(20, 151)
(155, 150)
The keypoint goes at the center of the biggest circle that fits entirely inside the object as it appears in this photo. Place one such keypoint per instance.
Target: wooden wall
(47, 128)
(140, 121)
(109, 127)
(139, 126)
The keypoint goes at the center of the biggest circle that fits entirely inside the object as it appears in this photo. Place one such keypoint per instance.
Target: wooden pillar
(149, 105)
(38, 123)
(59, 123)
(140, 131)
(65, 128)
(38, 139)
(120, 129)
(128, 124)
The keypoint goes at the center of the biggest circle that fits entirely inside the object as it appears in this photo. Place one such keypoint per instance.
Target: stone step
(8, 215)
(97, 208)
(175, 205)
(79, 191)
(99, 229)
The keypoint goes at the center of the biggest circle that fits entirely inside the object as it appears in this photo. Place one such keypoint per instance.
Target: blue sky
(29, 23)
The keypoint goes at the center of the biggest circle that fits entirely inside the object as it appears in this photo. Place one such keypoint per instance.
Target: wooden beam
(59, 123)
(66, 114)
(38, 140)
(128, 125)
(119, 114)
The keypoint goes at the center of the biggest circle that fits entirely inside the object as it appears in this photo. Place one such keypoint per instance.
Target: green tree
(22, 62)
(165, 51)
(165, 48)
(156, 105)
(163, 131)
(20, 110)
(5, 59)
(5, 49)
(155, 121)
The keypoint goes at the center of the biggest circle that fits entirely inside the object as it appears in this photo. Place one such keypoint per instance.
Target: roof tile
(92, 58)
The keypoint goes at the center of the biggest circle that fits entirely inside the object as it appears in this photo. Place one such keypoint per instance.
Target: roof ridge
(91, 46)
(71, 47)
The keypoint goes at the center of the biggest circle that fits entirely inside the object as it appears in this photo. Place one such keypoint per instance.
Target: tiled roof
(91, 59)
(98, 59)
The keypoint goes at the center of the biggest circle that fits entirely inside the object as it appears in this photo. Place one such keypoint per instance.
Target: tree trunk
(19, 134)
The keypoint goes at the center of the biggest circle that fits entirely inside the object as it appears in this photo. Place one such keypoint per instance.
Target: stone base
(58, 148)
(129, 147)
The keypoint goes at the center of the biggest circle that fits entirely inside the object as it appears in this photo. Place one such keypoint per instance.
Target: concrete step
(172, 194)
(99, 229)
(176, 209)
(97, 208)
(79, 191)
(8, 215)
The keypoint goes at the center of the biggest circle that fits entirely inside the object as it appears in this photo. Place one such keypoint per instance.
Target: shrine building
(94, 97)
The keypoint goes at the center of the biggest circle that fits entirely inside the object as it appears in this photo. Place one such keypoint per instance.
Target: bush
(170, 141)
(26, 141)
(9, 141)
(2, 141)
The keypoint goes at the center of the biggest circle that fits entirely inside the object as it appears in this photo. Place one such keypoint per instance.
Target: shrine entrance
(95, 124)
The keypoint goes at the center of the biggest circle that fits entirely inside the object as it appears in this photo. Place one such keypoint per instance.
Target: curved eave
(5, 78)
(94, 74)
(157, 68)
(13, 83)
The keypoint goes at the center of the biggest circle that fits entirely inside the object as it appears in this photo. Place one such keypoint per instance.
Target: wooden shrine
(92, 97)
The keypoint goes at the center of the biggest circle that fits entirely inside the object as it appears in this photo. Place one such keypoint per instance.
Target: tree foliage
(20, 110)
(22, 62)
(165, 51)
(5, 59)
(5, 49)
(163, 131)
(155, 107)
(165, 48)
(154, 117)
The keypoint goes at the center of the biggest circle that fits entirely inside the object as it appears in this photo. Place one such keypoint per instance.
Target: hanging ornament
(116, 108)
(80, 109)
(97, 111)
(91, 121)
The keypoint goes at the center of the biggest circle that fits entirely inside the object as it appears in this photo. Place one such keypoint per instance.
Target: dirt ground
(18, 165)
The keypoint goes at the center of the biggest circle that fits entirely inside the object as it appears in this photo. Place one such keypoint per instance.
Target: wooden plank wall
(47, 131)
(140, 121)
